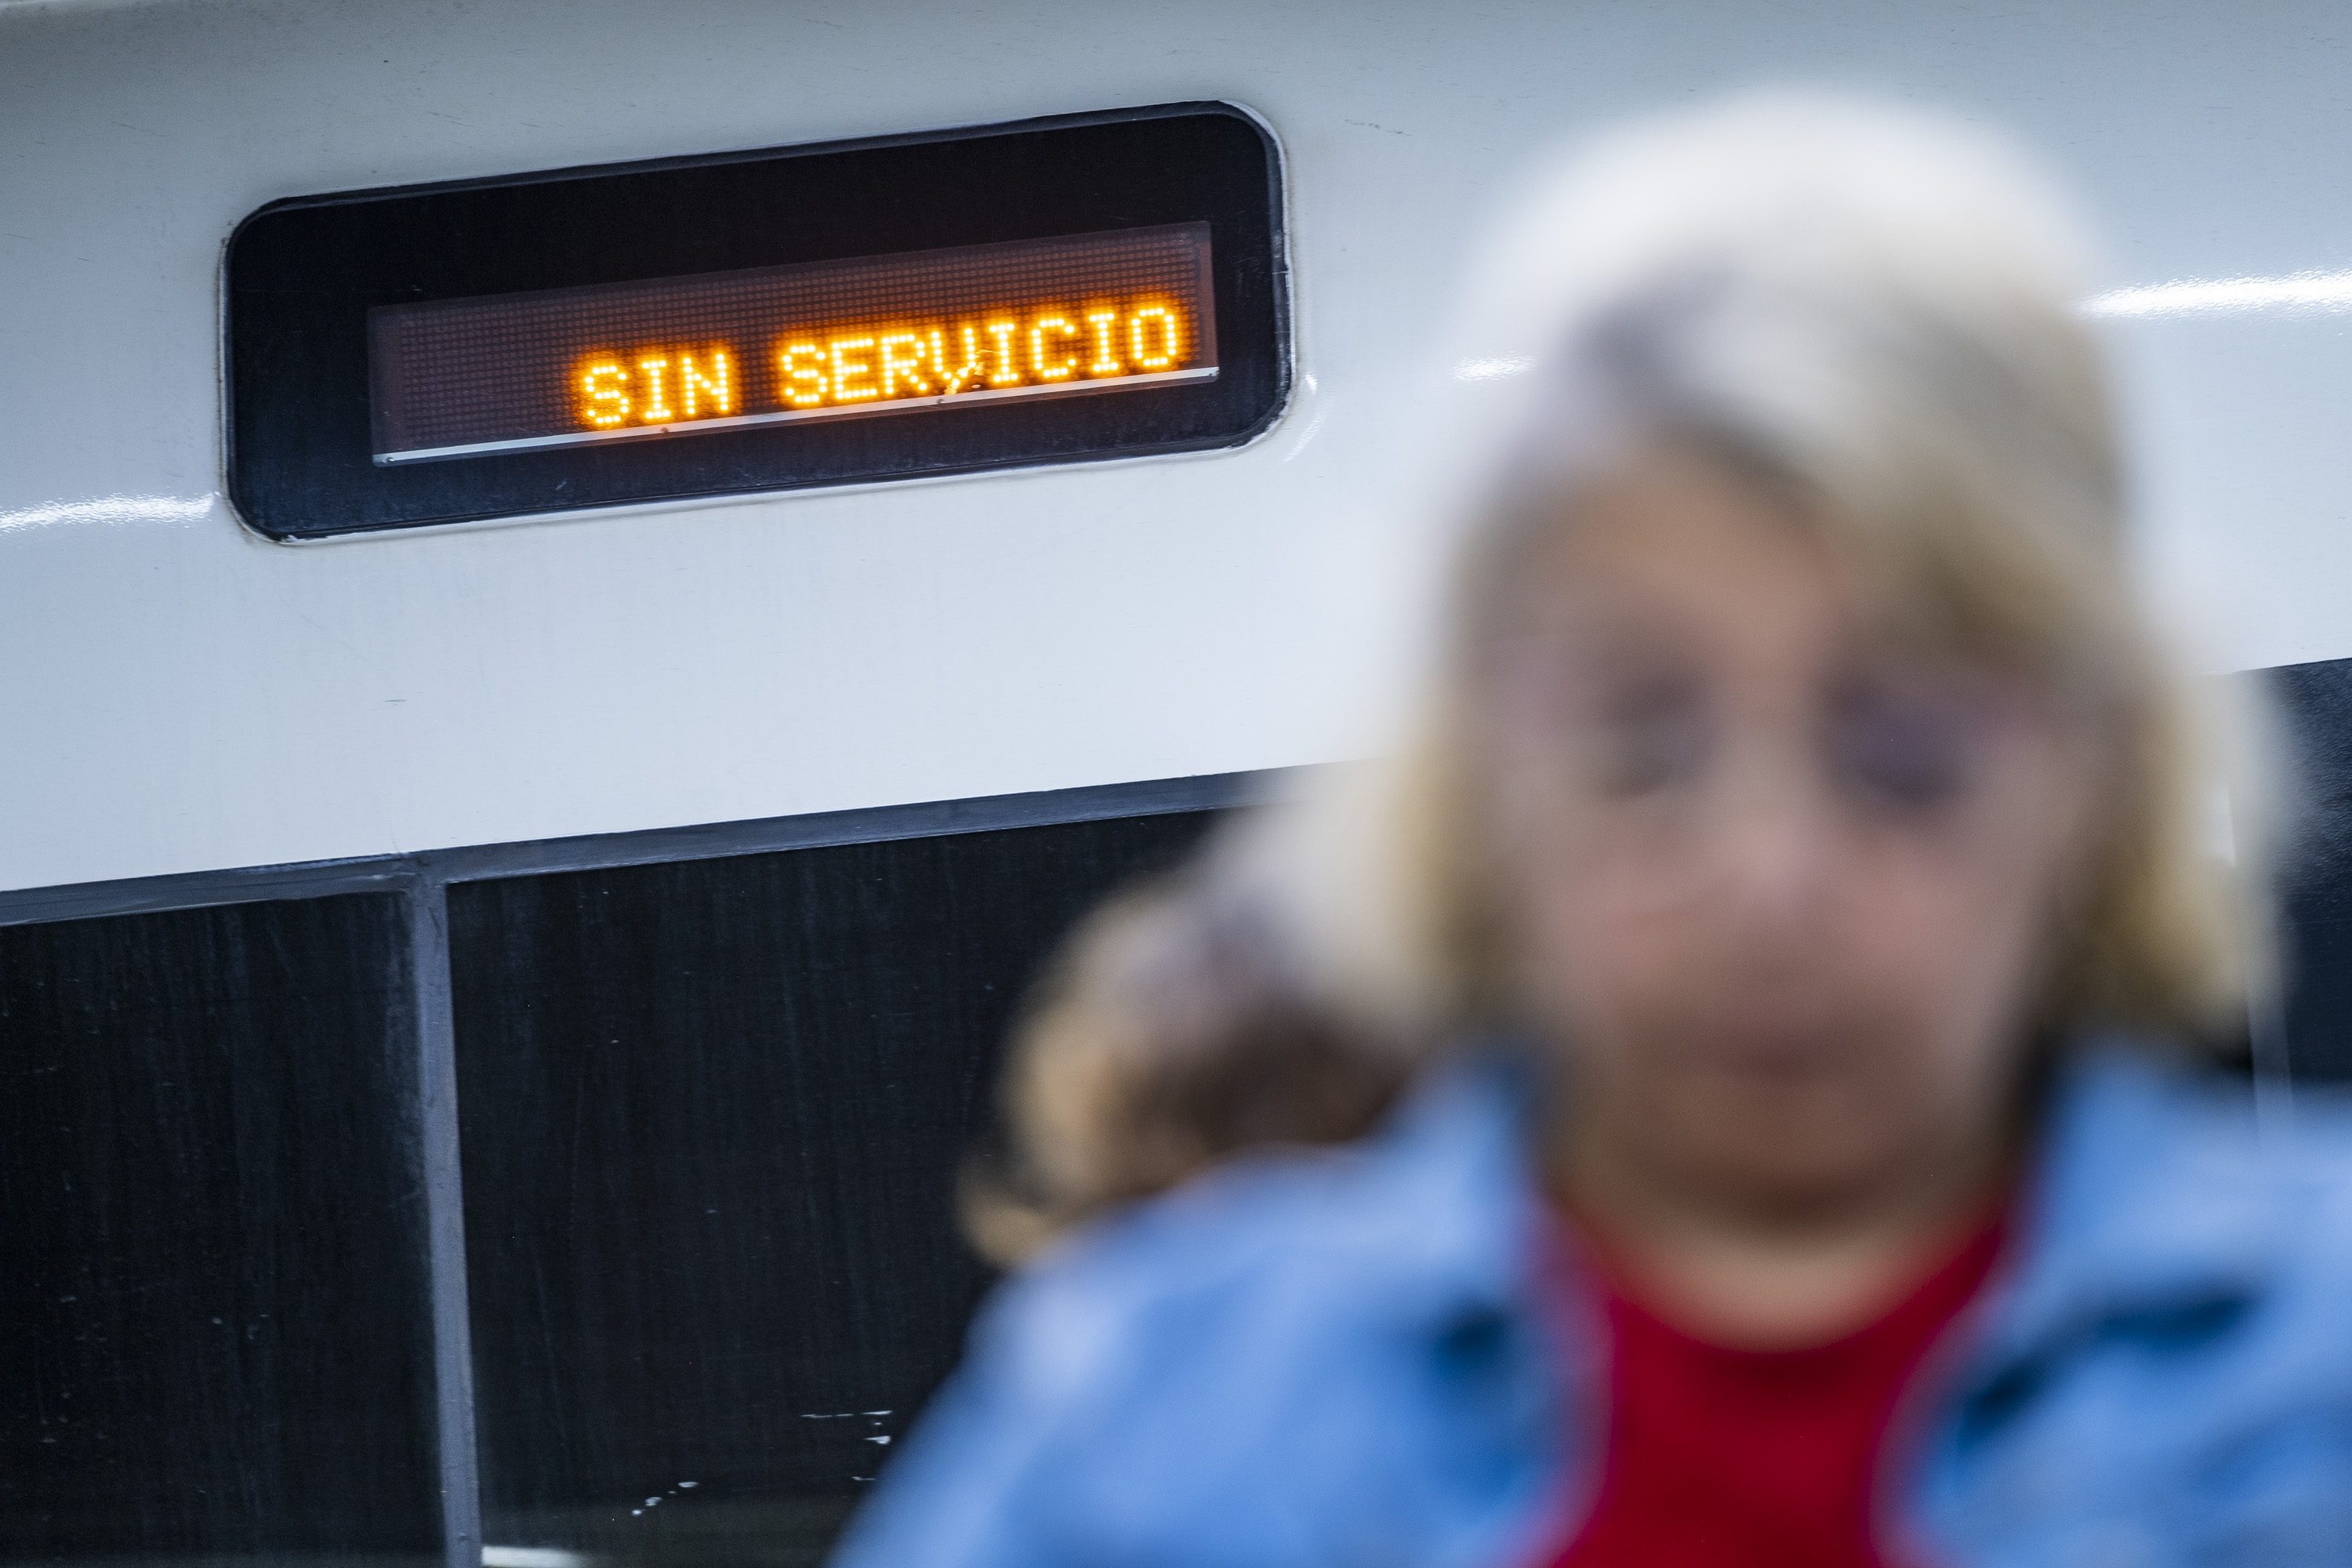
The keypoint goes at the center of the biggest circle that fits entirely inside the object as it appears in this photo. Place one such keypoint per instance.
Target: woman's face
(1782, 885)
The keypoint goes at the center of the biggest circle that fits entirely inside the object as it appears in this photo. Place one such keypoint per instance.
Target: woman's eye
(1910, 752)
(1652, 740)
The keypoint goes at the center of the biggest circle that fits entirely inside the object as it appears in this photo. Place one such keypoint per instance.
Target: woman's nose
(1776, 840)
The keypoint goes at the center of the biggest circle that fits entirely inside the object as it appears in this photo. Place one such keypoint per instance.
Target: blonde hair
(1872, 311)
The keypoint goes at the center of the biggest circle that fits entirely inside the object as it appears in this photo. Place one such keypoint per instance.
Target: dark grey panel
(2317, 699)
(214, 1335)
(862, 825)
(710, 1118)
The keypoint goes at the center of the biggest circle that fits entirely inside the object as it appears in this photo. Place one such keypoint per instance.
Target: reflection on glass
(215, 1330)
(712, 1115)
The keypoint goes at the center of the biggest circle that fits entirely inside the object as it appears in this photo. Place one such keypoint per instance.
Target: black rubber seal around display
(303, 275)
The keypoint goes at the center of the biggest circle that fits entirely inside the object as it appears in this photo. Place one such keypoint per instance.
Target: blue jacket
(1348, 1357)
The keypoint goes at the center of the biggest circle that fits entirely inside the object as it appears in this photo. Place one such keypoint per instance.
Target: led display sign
(1060, 291)
(885, 334)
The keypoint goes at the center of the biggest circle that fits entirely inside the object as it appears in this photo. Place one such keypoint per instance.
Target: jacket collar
(2135, 1208)
(1458, 1205)
(2138, 1210)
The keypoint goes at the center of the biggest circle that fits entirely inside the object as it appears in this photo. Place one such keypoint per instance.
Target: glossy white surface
(181, 695)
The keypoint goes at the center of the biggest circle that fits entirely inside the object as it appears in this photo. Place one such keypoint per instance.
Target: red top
(1735, 1458)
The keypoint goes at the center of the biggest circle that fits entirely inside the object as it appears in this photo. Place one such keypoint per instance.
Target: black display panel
(825, 340)
(712, 1114)
(1052, 291)
(215, 1320)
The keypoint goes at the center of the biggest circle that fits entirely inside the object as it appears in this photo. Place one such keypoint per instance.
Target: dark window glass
(214, 1313)
(2317, 883)
(711, 1116)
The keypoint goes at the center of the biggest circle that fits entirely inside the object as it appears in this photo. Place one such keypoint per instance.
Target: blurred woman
(1707, 1102)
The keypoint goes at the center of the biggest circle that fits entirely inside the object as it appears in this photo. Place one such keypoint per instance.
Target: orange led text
(1038, 349)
